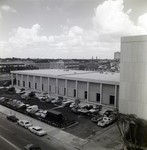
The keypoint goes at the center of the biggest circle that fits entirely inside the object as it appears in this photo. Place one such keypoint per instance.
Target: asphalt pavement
(107, 138)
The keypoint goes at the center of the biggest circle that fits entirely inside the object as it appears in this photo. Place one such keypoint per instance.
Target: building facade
(88, 86)
(72, 65)
(133, 76)
(117, 55)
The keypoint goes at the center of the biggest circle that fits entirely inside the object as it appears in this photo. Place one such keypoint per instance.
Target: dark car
(108, 113)
(12, 118)
(32, 147)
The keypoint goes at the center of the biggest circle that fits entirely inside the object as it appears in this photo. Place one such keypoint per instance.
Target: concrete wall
(81, 88)
(107, 91)
(94, 88)
(30, 79)
(133, 76)
(45, 84)
(52, 85)
(71, 85)
(61, 87)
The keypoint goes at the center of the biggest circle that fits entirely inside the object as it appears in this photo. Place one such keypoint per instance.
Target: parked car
(12, 118)
(2, 99)
(96, 119)
(32, 109)
(108, 113)
(43, 113)
(66, 103)
(83, 111)
(31, 147)
(37, 130)
(38, 112)
(24, 123)
(72, 105)
(106, 121)
(28, 95)
(95, 109)
(103, 110)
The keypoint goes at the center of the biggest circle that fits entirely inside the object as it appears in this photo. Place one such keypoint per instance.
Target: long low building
(88, 86)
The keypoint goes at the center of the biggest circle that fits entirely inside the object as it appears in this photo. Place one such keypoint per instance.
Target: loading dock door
(98, 97)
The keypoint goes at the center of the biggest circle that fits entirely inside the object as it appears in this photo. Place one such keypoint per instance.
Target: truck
(54, 116)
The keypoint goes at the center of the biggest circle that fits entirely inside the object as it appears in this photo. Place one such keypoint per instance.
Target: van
(32, 109)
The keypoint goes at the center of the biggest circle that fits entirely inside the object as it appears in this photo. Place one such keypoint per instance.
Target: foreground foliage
(133, 131)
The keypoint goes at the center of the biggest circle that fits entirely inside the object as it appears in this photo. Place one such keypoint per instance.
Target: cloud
(0, 15)
(23, 36)
(110, 22)
(48, 8)
(142, 21)
(8, 9)
(129, 11)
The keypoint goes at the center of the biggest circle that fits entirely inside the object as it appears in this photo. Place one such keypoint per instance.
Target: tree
(133, 131)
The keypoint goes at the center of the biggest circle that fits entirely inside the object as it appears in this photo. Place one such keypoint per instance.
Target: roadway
(15, 137)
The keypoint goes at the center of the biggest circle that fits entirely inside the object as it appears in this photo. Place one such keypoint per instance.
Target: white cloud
(142, 21)
(48, 8)
(8, 8)
(102, 40)
(129, 11)
(110, 19)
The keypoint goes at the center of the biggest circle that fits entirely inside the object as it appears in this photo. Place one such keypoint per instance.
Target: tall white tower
(133, 76)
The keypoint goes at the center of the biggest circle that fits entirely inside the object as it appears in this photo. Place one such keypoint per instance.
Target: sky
(68, 29)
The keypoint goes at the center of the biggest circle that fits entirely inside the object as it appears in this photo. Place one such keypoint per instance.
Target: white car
(24, 123)
(37, 130)
(38, 112)
(43, 113)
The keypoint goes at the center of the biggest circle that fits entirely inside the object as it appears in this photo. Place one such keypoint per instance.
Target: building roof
(91, 76)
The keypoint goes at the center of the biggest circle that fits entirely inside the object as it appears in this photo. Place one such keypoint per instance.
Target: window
(23, 83)
(64, 91)
(18, 82)
(35, 85)
(112, 99)
(74, 92)
(42, 87)
(98, 97)
(29, 84)
(85, 94)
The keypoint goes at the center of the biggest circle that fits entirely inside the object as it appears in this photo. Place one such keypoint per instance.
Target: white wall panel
(52, 81)
(70, 92)
(44, 80)
(37, 79)
(81, 94)
(82, 85)
(61, 90)
(61, 82)
(71, 84)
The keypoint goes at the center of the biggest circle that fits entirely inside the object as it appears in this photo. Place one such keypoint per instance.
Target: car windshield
(27, 123)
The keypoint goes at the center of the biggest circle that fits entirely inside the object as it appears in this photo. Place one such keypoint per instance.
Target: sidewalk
(103, 140)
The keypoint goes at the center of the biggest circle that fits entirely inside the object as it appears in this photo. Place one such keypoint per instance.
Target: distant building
(9, 66)
(117, 55)
(42, 65)
(72, 65)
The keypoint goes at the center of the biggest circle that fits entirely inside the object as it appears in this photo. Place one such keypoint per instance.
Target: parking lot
(83, 128)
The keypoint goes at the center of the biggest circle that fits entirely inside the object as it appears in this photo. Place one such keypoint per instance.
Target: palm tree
(133, 130)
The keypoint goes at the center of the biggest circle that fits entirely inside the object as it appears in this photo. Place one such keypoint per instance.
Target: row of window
(111, 97)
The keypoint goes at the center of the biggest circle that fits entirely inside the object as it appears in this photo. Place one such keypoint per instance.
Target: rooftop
(92, 76)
